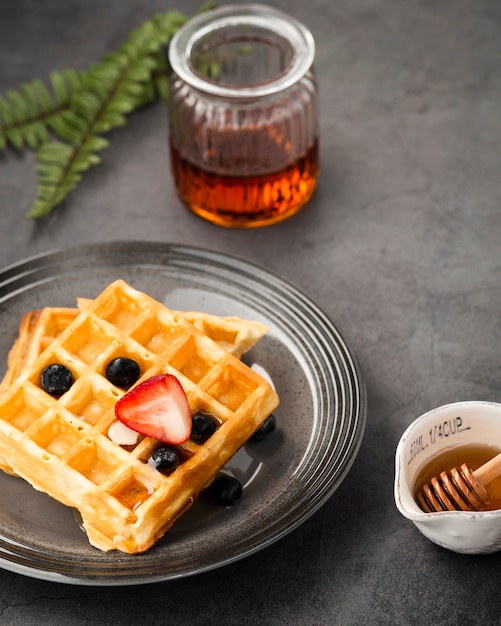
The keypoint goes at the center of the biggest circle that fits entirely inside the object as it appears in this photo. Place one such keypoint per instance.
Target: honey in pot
(473, 455)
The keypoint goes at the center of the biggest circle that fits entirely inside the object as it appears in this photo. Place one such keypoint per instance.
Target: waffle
(40, 327)
(61, 446)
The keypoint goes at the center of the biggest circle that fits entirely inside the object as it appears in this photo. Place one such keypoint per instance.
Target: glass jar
(243, 126)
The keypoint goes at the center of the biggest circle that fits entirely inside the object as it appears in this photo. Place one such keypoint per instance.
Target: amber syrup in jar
(243, 116)
(252, 200)
(474, 456)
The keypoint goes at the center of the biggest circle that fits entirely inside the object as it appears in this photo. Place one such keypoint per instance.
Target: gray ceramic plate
(286, 478)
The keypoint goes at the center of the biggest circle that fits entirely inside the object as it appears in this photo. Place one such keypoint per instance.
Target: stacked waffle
(61, 445)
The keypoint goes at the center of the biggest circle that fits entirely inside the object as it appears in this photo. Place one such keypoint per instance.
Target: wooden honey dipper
(459, 489)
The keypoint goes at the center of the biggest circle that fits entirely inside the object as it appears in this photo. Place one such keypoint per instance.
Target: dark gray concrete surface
(400, 246)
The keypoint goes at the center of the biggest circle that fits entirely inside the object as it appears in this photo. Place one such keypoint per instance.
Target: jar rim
(258, 15)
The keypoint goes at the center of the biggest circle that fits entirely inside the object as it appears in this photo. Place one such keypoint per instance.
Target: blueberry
(266, 428)
(122, 371)
(56, 379)
(164, 458)
(225, 490)
(203, 427)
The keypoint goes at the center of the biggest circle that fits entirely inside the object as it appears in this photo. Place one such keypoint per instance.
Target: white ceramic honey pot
(429, 436)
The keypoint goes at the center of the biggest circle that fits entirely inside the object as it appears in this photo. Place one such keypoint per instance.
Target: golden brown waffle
(40, 327)
(61, 445)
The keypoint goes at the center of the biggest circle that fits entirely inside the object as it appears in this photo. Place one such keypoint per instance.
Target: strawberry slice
(157, 407)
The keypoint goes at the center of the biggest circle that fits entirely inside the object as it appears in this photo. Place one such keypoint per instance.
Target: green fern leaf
(27, 115)
(109, 91)
(80, 106)
(42, 95)
(59, 168)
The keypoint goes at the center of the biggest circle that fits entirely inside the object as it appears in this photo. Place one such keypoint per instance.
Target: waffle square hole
(93, 461)
(157, 335)
(52, 358)
(59, 320)
(219, 334)
(23, 409)
(134, 490)
(232, 387)
(120, 310)
(193, 359)
(57, 435)
(88, 342)
(130, 350)
(91, 400)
